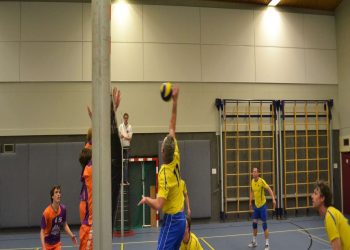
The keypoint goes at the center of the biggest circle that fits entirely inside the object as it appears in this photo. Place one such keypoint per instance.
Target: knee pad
(264, 225)
(255, 225)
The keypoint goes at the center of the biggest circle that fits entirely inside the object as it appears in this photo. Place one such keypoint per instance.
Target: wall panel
(127, 62)
(43, 61)
(272, 65)
(14, 193)
(280, 29)
(227, 26)
(9, 21)
(171, 24)
(321, 66)
(228, 63)
(126, 23)
(172, 62)
(52, 21)
(319, 31)
(9, 61)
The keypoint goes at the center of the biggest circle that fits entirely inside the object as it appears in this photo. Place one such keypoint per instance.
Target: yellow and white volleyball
(166, 91)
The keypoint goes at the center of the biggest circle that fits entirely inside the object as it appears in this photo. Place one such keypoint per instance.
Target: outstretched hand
(74, 240)
(142, 201)
(89, 111)
(176, 91)
(116, 97)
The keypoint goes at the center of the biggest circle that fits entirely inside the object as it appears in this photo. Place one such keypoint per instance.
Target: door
(346, 183)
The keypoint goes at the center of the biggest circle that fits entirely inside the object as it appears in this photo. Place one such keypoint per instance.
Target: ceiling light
(274, 2)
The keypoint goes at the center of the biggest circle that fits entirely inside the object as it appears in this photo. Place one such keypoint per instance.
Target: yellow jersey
(192, 244)
(169, 185)
(258, 188)
(337, 226)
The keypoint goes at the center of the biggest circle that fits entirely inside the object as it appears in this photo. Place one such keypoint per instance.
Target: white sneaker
(267, 247)
(253, 244)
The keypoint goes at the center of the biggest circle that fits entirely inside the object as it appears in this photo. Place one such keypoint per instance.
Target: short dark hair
(85, 156)
(188, 219)
(325, 191)
(169, 149)
(257, 168)
(52, 191)
(126, 114)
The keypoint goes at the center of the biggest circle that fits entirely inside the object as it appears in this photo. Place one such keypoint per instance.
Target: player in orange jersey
(54, 217)
(85, 233)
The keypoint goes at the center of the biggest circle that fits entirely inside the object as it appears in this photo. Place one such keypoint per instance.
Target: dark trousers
(125, 163)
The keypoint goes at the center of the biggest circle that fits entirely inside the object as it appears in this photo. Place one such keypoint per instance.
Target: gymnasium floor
(294, 233)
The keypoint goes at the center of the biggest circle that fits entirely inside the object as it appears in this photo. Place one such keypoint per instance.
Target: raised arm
(89, 112)
(116, 98)
(172, 125)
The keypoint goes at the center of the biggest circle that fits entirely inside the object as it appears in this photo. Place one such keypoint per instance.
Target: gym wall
(45, 71)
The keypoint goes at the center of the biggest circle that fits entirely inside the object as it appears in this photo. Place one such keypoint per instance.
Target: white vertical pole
(122, 197)
(101, 103)
(221, 165)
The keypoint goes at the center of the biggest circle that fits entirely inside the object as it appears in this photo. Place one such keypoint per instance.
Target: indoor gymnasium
(174, 124)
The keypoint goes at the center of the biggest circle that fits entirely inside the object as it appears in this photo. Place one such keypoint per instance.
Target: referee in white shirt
(125, 132)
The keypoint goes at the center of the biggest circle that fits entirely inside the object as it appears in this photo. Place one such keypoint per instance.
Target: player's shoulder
(48, 210)
(261, 180)
(164, 171)
(332, 213)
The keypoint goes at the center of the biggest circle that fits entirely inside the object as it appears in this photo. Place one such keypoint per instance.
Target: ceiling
(328, 5)
(323, 5)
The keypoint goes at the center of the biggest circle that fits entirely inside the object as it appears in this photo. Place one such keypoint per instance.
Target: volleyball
(166, 91)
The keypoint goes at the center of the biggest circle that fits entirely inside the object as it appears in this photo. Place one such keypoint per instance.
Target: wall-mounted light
(274, 2)
(120, 10)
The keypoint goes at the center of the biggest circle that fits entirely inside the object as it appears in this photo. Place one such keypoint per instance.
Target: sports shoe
(267, 247)
(253, 244)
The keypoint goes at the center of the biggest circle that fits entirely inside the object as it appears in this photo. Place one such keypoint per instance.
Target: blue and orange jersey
(86, 196)
(51, 223)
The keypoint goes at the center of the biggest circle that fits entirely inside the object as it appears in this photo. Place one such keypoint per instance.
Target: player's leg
(179, 226)
(173, 231)
(163, 232)
(256, 216)
(263, 214)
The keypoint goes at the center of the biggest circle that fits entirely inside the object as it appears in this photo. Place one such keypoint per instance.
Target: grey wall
(15, 181)
(27, 177)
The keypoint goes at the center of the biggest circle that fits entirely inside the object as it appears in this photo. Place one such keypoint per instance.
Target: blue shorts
(260, 213)
(172, 232)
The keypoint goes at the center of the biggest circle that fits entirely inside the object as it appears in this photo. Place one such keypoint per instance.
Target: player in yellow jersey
(190, 240)
(258, 186)
(337, 226)
(170, 196)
